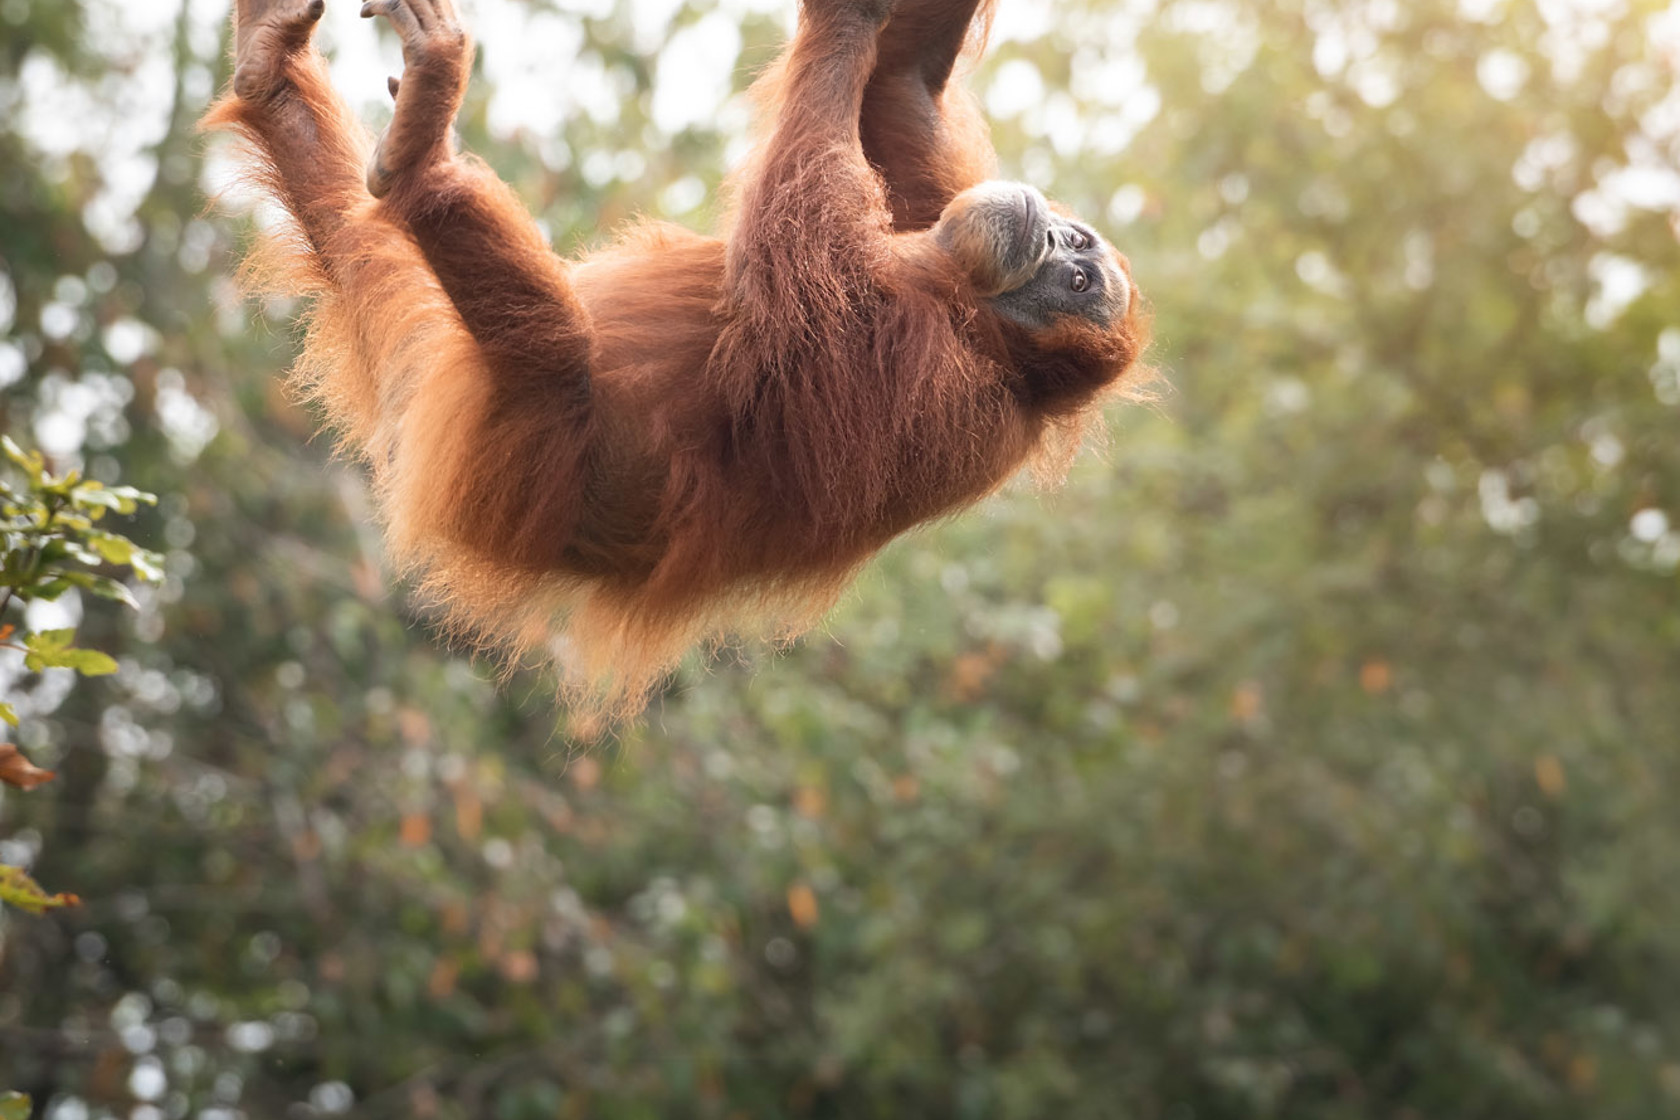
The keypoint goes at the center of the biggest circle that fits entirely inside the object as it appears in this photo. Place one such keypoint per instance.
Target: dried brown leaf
(16, 770)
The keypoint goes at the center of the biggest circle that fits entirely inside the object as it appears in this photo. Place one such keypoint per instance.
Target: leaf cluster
(53, 543)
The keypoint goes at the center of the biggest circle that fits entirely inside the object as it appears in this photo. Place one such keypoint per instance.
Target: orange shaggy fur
(606, 461)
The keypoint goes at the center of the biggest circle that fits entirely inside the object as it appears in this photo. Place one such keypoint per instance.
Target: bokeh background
(1313, 753)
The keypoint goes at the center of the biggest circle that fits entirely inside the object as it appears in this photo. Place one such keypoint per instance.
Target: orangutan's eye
(1080, 280)
(1080, 240)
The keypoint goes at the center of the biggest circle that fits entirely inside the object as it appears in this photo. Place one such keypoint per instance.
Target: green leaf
(25, 893)
(147, 565)
(91, 493)
(116, 549)
(76, 551)
(31, 463)
(14, 1106)
(51, 649)
(60, 488)
(103, 586)
(66, 519)
(92, 663)
(122, 499)
(8, 713)
(49, 591)
(46, 647)
(132, 495)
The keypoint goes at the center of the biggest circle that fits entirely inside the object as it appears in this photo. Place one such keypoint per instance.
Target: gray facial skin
(1075, 272)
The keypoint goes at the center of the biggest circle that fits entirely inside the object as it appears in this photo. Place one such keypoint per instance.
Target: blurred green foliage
(1310, 755)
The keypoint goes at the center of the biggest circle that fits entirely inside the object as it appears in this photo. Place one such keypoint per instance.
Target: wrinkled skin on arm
(602, 461)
